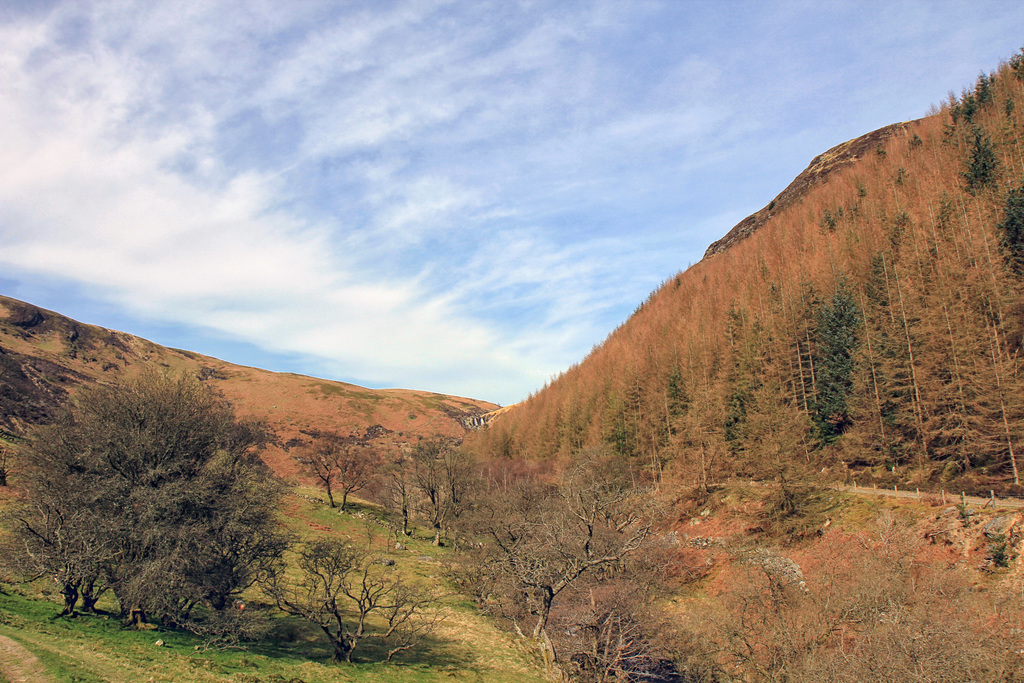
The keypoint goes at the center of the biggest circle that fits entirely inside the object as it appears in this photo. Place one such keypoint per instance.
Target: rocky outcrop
(970, 531)
(780, 570)
(31, 390)
(820, 168)
(481, 420)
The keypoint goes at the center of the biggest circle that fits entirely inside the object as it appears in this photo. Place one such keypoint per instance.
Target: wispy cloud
(458, 196)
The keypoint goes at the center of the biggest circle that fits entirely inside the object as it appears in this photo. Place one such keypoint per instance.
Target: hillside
(867, 323)
(670, 509)
(817, 172)
(45, 357)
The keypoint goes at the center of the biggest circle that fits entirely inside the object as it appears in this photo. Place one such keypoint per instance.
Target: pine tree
(1011, 229)
(837, 334)
(981, 167)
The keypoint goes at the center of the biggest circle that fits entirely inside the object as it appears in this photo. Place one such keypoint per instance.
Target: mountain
(667, 508)
(45, 358)
(868, 323)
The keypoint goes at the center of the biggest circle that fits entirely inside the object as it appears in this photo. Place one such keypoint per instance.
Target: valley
(799, 460)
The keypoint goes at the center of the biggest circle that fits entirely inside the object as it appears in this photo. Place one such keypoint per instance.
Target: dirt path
(18, 665)
(947, 497)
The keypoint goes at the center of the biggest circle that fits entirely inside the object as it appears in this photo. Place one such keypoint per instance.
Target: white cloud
(425, 205)
(458, 196)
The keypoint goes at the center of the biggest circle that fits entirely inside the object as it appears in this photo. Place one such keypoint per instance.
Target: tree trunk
(871, 364)
(70, 593)
(89, 603)
(89, 596)
(342, 646)
(547, 651)
(547, 598)
(340, 642)
(918, 407)
(136, 617)
(1002, 404)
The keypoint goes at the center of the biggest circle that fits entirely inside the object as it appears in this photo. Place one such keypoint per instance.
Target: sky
(459, 196)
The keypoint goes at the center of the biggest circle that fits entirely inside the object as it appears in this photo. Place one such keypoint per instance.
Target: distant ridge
(46, 357)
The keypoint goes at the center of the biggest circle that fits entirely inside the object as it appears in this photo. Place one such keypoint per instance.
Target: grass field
(93, 648)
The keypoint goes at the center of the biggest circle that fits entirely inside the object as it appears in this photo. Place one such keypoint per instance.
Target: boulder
(997, 526)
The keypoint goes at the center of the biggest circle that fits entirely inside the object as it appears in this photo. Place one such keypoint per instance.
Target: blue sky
(458, 196)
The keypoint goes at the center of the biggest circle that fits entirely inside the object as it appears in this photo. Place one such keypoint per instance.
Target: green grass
(90, 648)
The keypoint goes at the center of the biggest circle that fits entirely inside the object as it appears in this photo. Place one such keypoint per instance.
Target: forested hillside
(871, 326)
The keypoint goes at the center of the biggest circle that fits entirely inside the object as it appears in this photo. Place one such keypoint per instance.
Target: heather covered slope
(870, 325)
(45, 356)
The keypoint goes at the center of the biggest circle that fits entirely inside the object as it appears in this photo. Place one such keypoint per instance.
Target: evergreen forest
(868, 330)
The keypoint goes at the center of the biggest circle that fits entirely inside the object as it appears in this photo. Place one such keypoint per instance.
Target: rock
(779, 569)
(376, 432)
(159, 643)
(400, 546)
(947, 531)
(996, 526)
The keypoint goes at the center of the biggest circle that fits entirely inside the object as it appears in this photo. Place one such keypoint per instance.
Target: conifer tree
(1011, 229)
(981, 167)
(837, 333)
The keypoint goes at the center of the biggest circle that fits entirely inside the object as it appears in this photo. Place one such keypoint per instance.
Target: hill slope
(817, 172)
(45, 357)
(869, 321)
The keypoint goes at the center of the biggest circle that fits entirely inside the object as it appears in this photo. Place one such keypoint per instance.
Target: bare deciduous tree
(441, 473)
(543, 538)
(341, 464)
(397, 488)
(869, 611)
(603, 630)
(351, 596)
